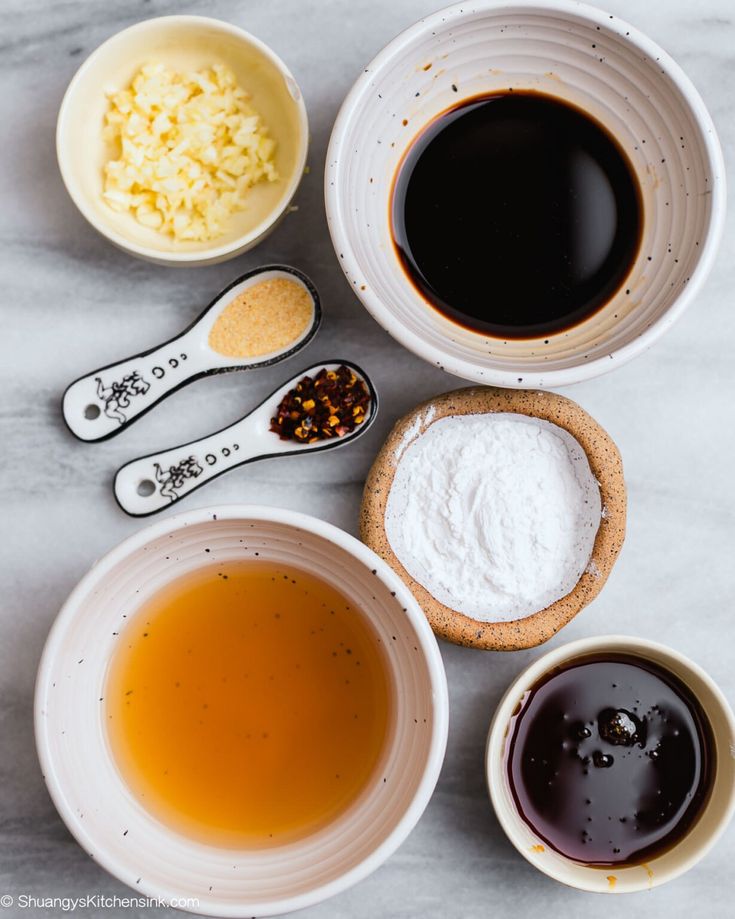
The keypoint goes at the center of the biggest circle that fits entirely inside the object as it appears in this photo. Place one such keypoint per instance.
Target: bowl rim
(470, 370)
(215, 252)
(212, 906)
(494, 777)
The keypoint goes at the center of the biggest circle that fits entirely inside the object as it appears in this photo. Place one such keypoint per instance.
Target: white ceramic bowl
(181, 42)
(565, 49)
(700, 838)
(94, 800)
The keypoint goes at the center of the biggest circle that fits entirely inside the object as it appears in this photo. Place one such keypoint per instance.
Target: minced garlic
(263, 319)
(191, 146)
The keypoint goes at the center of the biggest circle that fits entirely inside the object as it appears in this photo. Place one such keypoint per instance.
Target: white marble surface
(71, 302)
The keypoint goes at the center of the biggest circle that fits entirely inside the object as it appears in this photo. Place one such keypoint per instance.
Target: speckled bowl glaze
(92, 796)
(702, 836)
(605, 464)
(582, 55)
(183, 43)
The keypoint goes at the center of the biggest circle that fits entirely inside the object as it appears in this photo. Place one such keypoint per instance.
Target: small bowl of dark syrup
(524, 196)
(609, 764)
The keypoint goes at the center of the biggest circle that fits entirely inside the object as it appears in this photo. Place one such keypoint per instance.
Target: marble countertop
(72, 302)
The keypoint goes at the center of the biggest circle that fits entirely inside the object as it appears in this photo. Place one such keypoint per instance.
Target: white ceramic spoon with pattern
(104, 402)
(151, 483)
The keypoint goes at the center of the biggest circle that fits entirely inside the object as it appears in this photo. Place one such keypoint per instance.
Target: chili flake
(331, 404)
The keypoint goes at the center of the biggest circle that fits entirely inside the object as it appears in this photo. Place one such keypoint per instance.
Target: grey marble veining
(71, 302)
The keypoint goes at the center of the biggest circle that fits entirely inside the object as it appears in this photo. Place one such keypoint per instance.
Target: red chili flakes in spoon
(331, 404)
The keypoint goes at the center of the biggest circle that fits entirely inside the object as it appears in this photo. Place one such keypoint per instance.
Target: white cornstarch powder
(495, 514)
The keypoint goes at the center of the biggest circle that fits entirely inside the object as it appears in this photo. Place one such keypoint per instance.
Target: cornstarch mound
(495, 515)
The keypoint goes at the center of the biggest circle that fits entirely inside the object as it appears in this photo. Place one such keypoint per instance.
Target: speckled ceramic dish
(580, 55)
(89, 790)
(605, 464)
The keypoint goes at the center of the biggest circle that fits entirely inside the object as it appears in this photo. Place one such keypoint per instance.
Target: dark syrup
(610, 760)
(516, 215)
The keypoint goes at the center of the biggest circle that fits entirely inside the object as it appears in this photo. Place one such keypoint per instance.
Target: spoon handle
(151, 483)
(106, 401)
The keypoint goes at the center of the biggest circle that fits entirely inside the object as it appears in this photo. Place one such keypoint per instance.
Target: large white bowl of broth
(241, 710)
(183, 45)
(539, 191)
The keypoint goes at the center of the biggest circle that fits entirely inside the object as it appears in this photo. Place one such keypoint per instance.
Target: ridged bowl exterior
(579, 54)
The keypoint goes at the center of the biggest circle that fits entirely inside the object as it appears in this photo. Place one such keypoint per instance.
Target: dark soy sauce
(610, 760)
(516, 215)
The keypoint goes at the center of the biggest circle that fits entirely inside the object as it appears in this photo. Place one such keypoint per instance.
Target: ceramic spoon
(147, 485)
(104, 402)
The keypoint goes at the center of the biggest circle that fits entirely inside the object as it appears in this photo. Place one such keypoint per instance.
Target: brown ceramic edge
(606, 465)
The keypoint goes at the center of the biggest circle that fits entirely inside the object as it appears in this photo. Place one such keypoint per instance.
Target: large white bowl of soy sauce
(524, 194)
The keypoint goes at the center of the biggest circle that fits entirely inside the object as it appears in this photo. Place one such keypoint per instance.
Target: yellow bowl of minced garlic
(182, 140)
